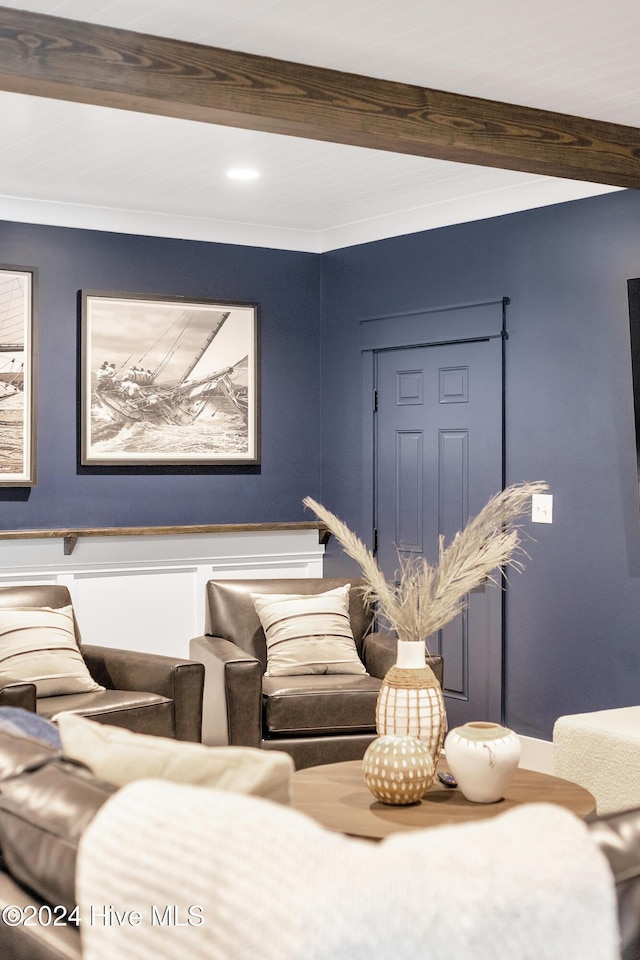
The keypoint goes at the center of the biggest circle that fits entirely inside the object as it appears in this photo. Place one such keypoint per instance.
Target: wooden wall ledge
(71, 537)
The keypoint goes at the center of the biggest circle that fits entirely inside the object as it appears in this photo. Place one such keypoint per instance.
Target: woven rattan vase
(410, 701)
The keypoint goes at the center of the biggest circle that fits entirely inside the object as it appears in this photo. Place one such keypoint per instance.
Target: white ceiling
(77, 165)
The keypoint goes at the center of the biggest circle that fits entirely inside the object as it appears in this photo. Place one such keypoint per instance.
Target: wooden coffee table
(336, 795)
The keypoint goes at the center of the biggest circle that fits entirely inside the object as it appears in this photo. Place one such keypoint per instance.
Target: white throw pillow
(38, 645)
(120, 756)
(308, 633)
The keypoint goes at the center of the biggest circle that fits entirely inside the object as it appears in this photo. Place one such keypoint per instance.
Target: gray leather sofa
(47, 802)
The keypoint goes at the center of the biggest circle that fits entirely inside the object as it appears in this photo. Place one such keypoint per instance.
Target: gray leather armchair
(146, 693)
(316, 719)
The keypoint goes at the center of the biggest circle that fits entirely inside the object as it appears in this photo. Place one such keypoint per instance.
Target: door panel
(409, 519)
(438, 460)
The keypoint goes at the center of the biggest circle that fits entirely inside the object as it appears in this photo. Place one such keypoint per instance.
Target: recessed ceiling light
(242, 173)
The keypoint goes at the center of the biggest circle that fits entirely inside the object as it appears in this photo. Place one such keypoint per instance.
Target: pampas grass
(427, 596)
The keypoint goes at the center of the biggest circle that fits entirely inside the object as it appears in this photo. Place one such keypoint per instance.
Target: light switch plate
(542, 508)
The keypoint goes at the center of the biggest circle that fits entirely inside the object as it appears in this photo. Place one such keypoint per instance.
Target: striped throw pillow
(38, 645)
(308, 633)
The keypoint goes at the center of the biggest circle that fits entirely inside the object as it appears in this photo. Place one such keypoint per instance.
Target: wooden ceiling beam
(71, 60)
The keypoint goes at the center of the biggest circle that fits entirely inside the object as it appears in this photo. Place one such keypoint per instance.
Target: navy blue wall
(285, 284)
(573, 616)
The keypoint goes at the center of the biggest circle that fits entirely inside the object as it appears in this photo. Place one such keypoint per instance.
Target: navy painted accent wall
(573, 616)
(285, 284)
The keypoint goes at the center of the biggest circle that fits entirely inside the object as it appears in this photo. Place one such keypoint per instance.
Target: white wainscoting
(148, 592)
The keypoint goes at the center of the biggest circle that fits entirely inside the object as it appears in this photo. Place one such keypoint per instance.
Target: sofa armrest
(181, 681)
(232, 709)
(17, 693)
(380, 651)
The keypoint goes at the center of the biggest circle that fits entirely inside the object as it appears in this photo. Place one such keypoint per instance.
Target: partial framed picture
(17, 378)
(167, 380)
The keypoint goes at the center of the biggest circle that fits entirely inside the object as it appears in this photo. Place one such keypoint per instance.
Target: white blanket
(173, 871)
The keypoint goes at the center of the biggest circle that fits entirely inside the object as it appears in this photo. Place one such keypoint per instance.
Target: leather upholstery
(316, 751)
(338, 703)
(146, 693)
(179, 681)
(17, 693)
(37, 942)
(317, 719)
(45, 806)
(231, 613)
(139, 712)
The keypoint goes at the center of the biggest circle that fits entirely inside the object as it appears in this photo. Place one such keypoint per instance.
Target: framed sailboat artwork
(17, 378)
(166, 380)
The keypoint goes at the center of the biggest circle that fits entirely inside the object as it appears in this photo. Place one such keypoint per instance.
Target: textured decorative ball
(398, 769)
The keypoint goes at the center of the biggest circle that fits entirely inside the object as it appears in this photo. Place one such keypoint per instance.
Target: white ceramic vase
(410, 701)
(483, 757)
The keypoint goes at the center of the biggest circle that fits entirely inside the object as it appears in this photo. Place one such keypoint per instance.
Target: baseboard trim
(537, 755)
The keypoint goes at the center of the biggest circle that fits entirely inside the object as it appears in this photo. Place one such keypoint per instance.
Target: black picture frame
(633, 291)
(18, 354)
(168, 380)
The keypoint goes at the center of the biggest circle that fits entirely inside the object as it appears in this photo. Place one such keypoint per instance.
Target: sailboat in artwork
(136, 393)
(10, 377)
